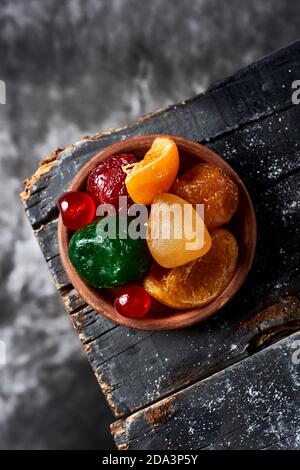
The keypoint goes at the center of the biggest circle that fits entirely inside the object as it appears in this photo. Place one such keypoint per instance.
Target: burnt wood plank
(138, 368)
(249, 119)
(114, 355)
(254, 404)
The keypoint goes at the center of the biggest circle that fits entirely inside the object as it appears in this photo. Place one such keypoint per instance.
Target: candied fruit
(106, 182)
(176, 233)
(104, 261)
(155, 174)
(209, 185)
(133, 301)
(76, 208)
(200, 282)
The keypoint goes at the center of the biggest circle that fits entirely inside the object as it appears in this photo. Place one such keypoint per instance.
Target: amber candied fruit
(209, 185)
(156, 173)
(198, 283)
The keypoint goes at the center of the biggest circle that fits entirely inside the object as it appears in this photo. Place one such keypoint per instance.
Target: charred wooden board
(254, 404)
(250, 120)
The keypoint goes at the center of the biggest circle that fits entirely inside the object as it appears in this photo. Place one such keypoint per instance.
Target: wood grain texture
(252, 405)
(249, 120)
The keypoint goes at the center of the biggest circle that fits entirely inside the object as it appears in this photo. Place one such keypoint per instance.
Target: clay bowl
(243, 225)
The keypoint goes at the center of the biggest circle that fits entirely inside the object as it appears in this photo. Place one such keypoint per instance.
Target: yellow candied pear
(176, 233)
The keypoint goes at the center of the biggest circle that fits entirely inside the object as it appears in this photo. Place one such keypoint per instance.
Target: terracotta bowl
(243, 225)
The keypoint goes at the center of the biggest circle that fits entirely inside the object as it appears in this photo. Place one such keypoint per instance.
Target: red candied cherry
(77, 209)
(133, 301)
(106, 182)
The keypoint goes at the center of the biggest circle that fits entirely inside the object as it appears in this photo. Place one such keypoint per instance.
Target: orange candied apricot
(200, 282)
(155, 174)
(209, 185)
(176, 233)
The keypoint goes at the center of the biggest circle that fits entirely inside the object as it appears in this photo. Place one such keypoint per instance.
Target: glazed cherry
(133, 301)
(77, 209)
(106, 182)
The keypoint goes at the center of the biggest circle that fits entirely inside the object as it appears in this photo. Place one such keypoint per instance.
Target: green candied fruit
(104, 258)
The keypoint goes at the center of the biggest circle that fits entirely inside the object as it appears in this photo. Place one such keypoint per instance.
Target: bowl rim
(181, 318)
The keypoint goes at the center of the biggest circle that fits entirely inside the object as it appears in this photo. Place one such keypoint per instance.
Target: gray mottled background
(76, 67)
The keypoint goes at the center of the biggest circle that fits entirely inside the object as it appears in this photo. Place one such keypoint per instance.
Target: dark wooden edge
(254, 405)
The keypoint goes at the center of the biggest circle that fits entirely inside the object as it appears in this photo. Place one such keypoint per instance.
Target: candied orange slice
(200, 282)
(154, 174)
(176, 233)
(209, 185)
